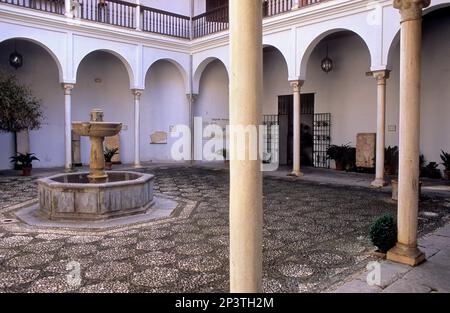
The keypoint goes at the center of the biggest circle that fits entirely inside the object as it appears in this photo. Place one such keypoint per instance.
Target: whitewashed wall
(111, 93)
(345, 92)
(163, 104)
(275, 80)
(199, 7)
(176, 6)
(40, 72)
(212, 104)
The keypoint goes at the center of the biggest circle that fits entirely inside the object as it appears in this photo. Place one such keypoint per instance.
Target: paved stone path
(315, 236)
(431, 276)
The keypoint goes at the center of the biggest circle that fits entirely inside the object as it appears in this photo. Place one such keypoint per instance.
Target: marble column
(192, 98)
(381, 77)
(296, 86)
(245, 174)
(406, 250)
(68, 126)
(137, 124)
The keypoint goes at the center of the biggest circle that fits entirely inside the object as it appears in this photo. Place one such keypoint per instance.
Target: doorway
(286, 124)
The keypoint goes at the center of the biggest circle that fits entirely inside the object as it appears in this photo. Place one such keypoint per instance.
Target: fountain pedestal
(97, 172)
(97, 130)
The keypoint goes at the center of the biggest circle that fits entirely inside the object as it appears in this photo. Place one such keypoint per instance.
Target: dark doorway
(286, 123)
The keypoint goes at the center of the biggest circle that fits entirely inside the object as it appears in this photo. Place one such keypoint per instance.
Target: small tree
(19, 109)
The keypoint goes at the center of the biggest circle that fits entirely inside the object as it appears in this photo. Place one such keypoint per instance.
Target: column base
(296, 174)
(138, 166)
(69, 170)
(378, 183)
(411, 256)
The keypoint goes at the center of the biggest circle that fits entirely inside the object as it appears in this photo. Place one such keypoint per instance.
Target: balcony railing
(218, 19)
(124, 14)
(51, 6)
(210, 22)
(114, 12)
(165, 23)
(274, 7)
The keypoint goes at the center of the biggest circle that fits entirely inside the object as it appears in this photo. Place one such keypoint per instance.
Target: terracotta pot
(26, 171)
(108, 165)
(340, 166)
(447, 174)
(389, 170)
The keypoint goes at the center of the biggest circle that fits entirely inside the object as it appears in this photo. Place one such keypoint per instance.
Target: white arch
(114, 53)
(180, 68)
(285, 44)
(54, 56)
(282, 56)
(201, 59)
(312, 44)
(393, 36)
(197, 76)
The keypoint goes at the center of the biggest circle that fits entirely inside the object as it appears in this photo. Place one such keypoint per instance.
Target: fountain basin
(72, 197)
(96, 129)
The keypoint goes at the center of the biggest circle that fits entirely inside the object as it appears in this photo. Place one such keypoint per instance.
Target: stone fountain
(95, 195)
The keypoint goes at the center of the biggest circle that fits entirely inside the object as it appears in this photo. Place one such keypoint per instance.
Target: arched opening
(163, 105)
(103, 83)
(277, 93)
(41, 72)
(212, 104)
(344, 99)
(435, 80)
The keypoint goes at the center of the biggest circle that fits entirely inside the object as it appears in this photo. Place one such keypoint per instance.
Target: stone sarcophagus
(365, 150)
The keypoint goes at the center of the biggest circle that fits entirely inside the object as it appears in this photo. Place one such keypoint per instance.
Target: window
(219, 10)
(214, 4)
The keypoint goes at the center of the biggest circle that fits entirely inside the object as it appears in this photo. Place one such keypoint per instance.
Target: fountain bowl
(96, 129)
(73, 197)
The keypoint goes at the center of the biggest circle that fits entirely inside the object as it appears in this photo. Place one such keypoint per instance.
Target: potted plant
(109, 154)
(25, 161)
(445, 157)
(339, 155)
(383, 234)
(350, 159)
(19, 109)
(390, 160)
(431, 171)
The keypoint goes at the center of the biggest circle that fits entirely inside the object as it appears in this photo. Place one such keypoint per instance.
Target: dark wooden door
(286, 123)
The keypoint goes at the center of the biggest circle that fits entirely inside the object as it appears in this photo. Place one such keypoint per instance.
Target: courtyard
(316, 234)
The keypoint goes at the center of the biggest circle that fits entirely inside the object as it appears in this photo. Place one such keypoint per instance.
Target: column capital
(192, 98)
(137, 93)
(297, 84)
(68, 88)
(411, 9)
(381, 76)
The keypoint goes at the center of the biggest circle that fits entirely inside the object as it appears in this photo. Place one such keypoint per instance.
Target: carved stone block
(158, 137)
(365, 150)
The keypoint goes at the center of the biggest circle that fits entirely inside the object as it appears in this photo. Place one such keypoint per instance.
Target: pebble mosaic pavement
(315, 235)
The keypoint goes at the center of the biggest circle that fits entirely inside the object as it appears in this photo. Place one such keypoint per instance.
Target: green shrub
(383, 233)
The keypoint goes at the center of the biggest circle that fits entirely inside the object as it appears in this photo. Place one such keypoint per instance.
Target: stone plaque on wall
(158, 137)
(111, 143)
(365, 150)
